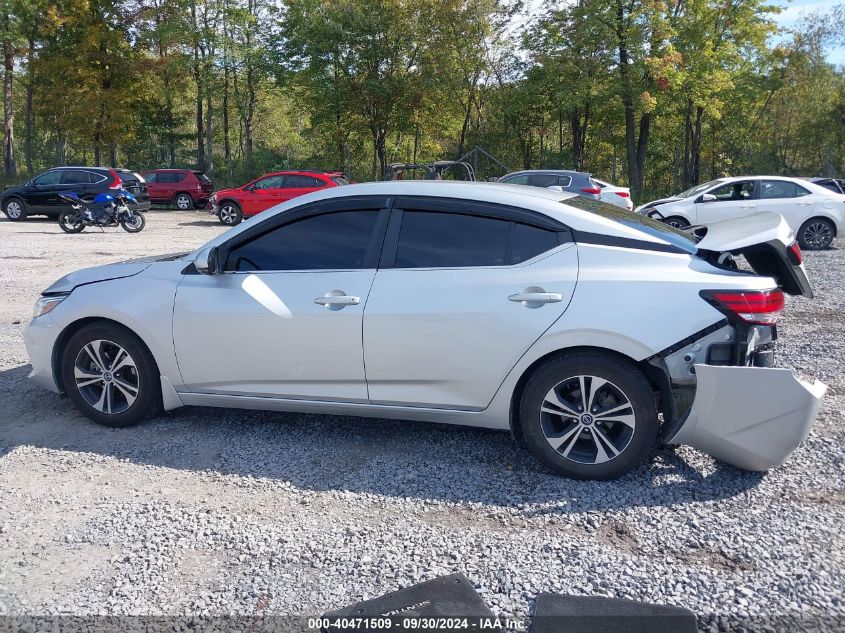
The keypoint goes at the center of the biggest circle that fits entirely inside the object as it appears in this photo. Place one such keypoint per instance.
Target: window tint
(545, 180)
(271, 182)
(334, 241)
(781, 189)
(75, 177)
(521, 179)
(742, 190)
(451, 240)
(300, 181)
(151, 177)
(52, 177)
(530, 241)
(564, 181)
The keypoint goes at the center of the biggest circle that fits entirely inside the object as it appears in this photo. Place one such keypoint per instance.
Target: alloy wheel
(818, 235)
(587, 419)
(228, 214)
(183, 202)
(14, 209)
(677, 224)
(106, 376)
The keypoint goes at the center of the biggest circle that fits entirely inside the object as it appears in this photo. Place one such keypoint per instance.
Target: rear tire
(110, 375)
(15, 209)
(230, 213)
(67, 226)
(615, 428)
(677, 222)
(183, 202)
(816, 234)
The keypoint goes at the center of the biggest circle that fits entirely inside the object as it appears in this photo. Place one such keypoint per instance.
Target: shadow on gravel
(382, 457)
(211, 222)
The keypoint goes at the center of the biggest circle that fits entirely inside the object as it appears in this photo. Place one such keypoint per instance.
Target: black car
(837, 185)
(40, 195)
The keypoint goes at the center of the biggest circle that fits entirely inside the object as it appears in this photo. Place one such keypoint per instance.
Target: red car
(233, 205)
(183, 188)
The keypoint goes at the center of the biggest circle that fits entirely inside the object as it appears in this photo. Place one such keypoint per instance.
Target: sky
(792, 12)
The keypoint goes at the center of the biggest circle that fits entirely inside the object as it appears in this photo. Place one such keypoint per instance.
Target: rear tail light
(795, 254)
(593, 190)
(758, 307)
(116, 182)
(623, 194)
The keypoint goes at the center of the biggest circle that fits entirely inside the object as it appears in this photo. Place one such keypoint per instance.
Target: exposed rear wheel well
(653, 374)
(73, 328)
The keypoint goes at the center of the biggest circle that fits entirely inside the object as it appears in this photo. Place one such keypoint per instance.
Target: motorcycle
(104, 210)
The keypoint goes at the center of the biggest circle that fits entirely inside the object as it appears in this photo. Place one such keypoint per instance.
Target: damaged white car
(589, 332)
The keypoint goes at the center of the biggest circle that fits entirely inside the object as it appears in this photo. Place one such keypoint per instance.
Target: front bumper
(751, 417)
(40, 339)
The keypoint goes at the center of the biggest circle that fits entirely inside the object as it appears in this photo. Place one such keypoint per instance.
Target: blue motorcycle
(104, 210)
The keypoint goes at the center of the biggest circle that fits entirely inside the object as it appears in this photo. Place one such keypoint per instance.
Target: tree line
(654, 94)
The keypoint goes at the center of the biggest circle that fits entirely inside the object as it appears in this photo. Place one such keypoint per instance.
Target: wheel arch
(821, 216)
(73, 328)
(223, 201)
(653, 373)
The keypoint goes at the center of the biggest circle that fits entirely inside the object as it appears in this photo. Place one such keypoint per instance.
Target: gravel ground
(219, 511)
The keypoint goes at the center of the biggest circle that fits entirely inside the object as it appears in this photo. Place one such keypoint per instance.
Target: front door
(264, 193)
(459, 299)
(42, 191)
(285, 319)
(733, 200)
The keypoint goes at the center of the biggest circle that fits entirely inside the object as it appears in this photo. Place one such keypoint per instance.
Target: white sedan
(617, 196)
(815, 214)
(487, 305)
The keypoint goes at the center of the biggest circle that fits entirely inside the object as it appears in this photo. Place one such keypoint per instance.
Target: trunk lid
(766, 242)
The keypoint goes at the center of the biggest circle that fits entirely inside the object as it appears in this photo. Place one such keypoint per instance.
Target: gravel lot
(206, 511)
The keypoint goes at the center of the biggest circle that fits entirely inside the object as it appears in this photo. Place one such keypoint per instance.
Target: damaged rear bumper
(751, 417)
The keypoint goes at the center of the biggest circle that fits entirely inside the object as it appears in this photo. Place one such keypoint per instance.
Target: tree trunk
(29, 114)
(199, 117)
(9, 166)
(209, 146)
(250, 94)
(696, 147)
(634, 181)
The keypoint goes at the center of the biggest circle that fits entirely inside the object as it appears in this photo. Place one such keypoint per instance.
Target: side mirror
(207, 261)
(707, 197)
(556, 188)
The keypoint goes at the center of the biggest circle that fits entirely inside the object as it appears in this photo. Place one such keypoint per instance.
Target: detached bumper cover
(751, 417)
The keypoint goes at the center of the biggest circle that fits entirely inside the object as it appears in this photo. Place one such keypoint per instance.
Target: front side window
(519, 179)
(52, 177)
(428, 239)
(781, 189)
(271, 182)
(333, 241)
(734, 191)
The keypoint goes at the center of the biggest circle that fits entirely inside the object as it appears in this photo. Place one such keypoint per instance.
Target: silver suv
(556, 179)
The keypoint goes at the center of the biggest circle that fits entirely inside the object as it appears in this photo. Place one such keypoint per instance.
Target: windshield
(694, 191)
(681, 239)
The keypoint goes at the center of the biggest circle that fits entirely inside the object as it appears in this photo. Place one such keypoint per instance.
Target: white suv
(814, 213)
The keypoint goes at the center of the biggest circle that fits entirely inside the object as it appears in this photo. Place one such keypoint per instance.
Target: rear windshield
(643, 223)
(128, 176)
(201, 176)
(339, 180)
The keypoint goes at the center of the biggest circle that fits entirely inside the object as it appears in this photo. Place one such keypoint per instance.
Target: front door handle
(536, 297)
(747, 206)
(336, 299)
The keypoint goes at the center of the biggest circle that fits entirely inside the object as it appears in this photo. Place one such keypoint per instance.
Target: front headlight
(46, 304)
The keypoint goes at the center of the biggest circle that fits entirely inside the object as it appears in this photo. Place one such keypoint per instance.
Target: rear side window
(564, 181)
(781, 189)
(76, 177)
(545, 180)
(428, 239)
(333, 241)
(299, 181)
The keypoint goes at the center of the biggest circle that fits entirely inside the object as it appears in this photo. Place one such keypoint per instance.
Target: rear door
(463, 290)
(733, 200)
(794, 202)
(300, 184)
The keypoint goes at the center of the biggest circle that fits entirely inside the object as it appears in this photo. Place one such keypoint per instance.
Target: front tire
(588, 415)
(110, 375)
(677, 222)
(134, 223)
(15, 209)
(230, 213)
(816, 234)
(183, 202)
(67, 224)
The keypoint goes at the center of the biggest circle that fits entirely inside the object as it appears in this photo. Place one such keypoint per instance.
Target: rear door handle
(536, 297)
(337, 300)
(747, 206)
